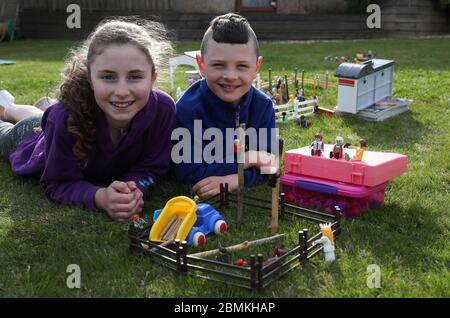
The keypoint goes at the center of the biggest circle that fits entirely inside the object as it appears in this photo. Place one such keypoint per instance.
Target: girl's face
(121, 78)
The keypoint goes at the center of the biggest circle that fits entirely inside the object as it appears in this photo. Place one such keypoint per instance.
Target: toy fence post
(259, 271)
(295, 78)
(287, 87)
(183, 256)
(280, 95)
(301, 243)
(226, 195)
(303, 82)
(305, 245)
(337, 218)
(295, 115)
(241, 180)
(270, 81)
(337, 211)
(315, 87)
(178, 255)
(253, 274)
(327, 78)
(222, 195)
(275, 207)
(282, 207)
(276, 189)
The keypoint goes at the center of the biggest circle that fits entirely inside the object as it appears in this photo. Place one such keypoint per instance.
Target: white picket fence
(294, 110)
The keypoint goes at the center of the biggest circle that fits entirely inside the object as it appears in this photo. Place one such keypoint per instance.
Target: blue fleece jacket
(200, 103)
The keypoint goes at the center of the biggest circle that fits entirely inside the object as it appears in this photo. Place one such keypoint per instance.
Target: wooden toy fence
(260, 273)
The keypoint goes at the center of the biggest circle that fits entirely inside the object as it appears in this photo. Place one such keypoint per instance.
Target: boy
(224, 99)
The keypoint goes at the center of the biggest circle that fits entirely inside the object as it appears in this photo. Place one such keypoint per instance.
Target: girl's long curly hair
(75, 90)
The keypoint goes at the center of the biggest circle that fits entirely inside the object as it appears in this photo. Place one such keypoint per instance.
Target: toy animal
(327, 240)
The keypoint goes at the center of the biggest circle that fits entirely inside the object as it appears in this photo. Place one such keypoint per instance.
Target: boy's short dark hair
(229, 28)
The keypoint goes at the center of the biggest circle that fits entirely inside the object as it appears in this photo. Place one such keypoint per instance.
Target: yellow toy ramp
(179, 211)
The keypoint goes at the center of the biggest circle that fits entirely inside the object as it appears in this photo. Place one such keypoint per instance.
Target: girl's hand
(119, 201)
(139, 196)
(210, 186)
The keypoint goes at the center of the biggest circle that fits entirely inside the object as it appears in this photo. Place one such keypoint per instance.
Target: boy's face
(230, 69)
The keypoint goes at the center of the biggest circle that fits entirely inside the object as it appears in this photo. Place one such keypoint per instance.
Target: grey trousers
(11, 135)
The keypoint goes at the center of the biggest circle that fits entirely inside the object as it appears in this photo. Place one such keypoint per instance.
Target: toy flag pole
(287, 87)
(303, 81)
(280, 95)
(270, 80)
(241, 180)
(295, 79)
(314, 87)
(276, 187)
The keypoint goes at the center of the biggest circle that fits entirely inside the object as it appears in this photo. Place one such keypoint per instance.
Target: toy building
(366, 89)
(355, 186)
(362, 85)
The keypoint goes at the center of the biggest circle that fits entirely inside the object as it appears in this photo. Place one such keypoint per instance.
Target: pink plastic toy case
(374, 169)
(314, 193)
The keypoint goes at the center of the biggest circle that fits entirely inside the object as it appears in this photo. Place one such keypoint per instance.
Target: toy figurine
(279, 82)
(359, 150)
(303, 122)
(338, 148)
(327, 240)
(317, 145)
(291, 100)
(299, 95)
(139, 223)
(139, 228)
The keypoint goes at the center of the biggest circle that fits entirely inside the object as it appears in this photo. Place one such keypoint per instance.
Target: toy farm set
(184, 223)
(320, 184)
(169, 245)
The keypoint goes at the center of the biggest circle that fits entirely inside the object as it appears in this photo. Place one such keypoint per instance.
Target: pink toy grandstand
(322, 194)
(374, 168)
(355, 186)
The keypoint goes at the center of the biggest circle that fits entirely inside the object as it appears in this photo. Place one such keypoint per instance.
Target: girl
(107, 137)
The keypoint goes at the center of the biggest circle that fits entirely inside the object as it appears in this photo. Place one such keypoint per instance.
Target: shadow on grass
(393, 234)
(399, 132)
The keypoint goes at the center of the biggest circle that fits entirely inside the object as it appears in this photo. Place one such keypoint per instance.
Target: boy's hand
(211, 186)
(120, 200)
(261, 160)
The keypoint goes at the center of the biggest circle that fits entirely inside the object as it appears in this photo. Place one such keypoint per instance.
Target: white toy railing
(294, 110)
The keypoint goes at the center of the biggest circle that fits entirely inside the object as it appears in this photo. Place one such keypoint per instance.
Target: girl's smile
(122, 78)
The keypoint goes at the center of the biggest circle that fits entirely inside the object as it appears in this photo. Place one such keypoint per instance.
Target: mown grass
(408, 237)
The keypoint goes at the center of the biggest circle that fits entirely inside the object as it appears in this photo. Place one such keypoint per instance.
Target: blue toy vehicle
(208, 221)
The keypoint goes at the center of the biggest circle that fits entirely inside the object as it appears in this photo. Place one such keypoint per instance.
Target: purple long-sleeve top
(141, 156)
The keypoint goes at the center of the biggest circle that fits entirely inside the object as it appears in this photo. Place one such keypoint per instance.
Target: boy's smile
(230, 69)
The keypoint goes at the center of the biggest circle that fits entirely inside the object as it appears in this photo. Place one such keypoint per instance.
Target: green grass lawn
(408, 237)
